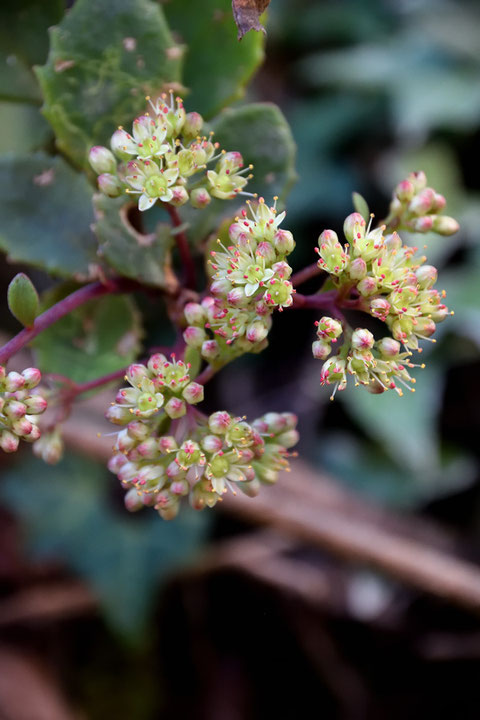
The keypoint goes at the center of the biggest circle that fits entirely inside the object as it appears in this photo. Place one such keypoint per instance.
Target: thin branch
(206, 375)
(62, 308)
(305, 274)
(183, 248)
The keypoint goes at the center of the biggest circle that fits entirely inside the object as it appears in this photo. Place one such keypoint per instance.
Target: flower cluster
(201, 458)
(161, 385)
(250, 280)
(416, 208)
(380, 275)
(19, 408)
(161, 155)
(379, 365)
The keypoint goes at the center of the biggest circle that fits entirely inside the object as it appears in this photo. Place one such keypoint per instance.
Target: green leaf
(23, 299)
(24, 129)
(46, 212)
(261, 133)
(360, 205)
(104, 58)
(216, 70)
(145, 258)
(68, 514)
(23, 43)
(96, 339)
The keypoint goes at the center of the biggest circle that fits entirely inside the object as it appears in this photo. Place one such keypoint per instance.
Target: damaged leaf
(246, 14)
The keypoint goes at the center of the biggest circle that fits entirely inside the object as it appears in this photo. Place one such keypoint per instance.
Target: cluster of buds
(383, 277)
(161, 385)
(250, 280)
(379, 365)
(201, 458)
(19, 408)
(162, 154)
(416, 208)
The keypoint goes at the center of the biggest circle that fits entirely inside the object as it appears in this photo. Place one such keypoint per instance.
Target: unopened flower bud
(362, 339)
(327, 327)
(282, 270)
(321, 349)
(439, 202)
(212, 443)
(425, 327)
(32, 377)
(194, 336)
(236, 297)
(193, 393)
(133, 500)
(426, 276)
(288, 439)
(102, 160)
(15, 409)
(219, 422)
(418, 180)
(8, 441)
(367, 286)
(22, 427)
(36, 404)
(210, 349)
(136, 373)
(118, 415)
(14, 381)
(422, 203)
(179, 196)
(405, 191)
(352, 225)
(256, 332)
(444, 225)
(423, 224)
(357, 269)
(109, 185)
(175, 408)
(138, 430)
(192, 125)
(200, 198)
(284, 242)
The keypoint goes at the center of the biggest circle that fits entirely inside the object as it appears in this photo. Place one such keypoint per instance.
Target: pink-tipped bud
(220, 287)
(180, 487)
(352, 224)
(219, 422)
(405, 191)
(49, 447)
(8, 441)
(425, 327)
(32, 377)
(439, 202)
(388, 347)
(15, 409)
(423, 224)
(156, 363)
(133, 500)
(167, 444)
(212, 443)
(423, 202)
(116, 462)
(426, 276)
(22, 427)
(193, 393)
(36, 404)
(282, 270)
(138, 430)
(283, 242)
(444, 225)
(321, 349)
(256, 332)
(192, 125)
(175, 408)
(288, 439)
(362, 340)
(179, 196)
(194, 336)
(200, 198)
(210, 349)
(14, 381)
(236, 297)
(367, 286)
(357, 269)
(194, 314)
(102, 160)
(109, 185)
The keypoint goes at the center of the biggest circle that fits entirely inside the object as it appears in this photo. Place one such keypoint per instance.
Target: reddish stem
(206, 375)
(305, 274)
(183, 248)
(62, 308)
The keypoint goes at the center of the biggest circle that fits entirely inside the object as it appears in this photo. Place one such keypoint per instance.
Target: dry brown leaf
(247, 13)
